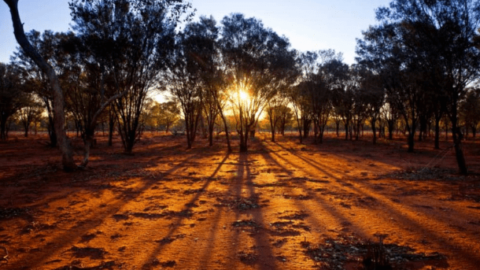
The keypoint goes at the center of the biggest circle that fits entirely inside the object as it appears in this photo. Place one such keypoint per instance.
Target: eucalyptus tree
(329, 76)
(30, 111)
(259, 64)
(470, 110)
(86, 86)
(205, 61)
(12, 97)
(46, 44)
(56, 90)
(306, 87)
(383, 52)
(129, 41)
(185, 85)
(343, 95)
(440, 39)
(276, 111)
(301, 108)
(373, 92)
(286, 117)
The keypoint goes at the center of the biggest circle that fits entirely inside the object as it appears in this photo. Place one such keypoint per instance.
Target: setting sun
(243, 95)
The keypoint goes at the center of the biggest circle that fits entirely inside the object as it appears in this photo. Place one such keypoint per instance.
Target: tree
(129, 41)
(259, 64)
(275, 110)
(328, 77)
(57, 93)
(286, 116)
(185, 86)
(29, 112)
(204, 60)
(46, 45)
(12, 97)
(343, 96)
(164, 115)
(301, 109)
(470, 110)
(401, 70)
(85, 81)
(374, 96)
(441, 37)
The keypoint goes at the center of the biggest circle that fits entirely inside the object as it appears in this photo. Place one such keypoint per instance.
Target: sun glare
(243, 96)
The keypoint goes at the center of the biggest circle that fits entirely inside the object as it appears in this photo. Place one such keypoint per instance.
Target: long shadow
(173, 229)
(366, 185)
(92, 221)
(322, 203)
(261, 239)
(401, 216)
(369, 150)
(340, 219)
(237, 187)
(213, 235)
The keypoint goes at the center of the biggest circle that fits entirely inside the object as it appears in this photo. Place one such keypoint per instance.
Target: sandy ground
(280, 206)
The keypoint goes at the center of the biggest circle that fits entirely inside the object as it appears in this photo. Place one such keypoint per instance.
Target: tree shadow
(400, 213)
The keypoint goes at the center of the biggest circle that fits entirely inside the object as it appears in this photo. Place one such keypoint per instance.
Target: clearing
(280, 206)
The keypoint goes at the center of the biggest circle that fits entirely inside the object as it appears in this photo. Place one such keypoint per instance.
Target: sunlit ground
(280, 206)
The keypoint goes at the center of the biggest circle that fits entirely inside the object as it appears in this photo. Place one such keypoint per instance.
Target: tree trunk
(88, 140)
(225, 125)
(357, 133)
(272, 129)
(3, 128)
(299, 130)
(457, 141)
(58, 100)
(51, 132)
(346, 130)
(111, 129)
(244, 141)
(188, 130)
(437, 132)
(411, 136)
(26, 126)
(374, 131)
(306, 128)
(411, 141)
(210, 134)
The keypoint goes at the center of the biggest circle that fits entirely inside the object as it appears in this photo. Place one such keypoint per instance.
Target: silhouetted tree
(12, 97)
(29, 112)
(470, 110)
(438, 40)
(129, 40)
(259, 64)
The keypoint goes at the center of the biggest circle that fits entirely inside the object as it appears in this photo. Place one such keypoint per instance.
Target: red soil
(281, 206)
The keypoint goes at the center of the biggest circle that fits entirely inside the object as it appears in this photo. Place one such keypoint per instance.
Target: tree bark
(58, 100)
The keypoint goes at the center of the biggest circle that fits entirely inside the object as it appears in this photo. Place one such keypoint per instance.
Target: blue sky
(309, 24)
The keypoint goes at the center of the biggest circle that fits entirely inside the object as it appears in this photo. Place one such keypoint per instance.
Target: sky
(310, 25)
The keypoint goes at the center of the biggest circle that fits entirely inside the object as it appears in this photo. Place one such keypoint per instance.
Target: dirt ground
(282, 205)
